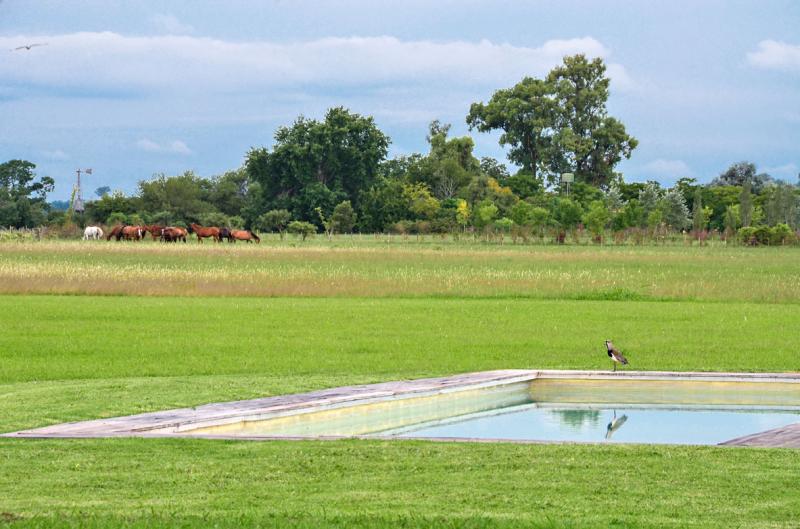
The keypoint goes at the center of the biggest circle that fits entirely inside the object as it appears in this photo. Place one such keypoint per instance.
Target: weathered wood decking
(177, 422)
(185, 418)
(784, 437)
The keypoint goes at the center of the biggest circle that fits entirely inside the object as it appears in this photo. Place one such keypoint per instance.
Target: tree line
(334, 175)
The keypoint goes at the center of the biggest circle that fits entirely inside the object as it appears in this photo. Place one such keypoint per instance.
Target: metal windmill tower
(77, 199)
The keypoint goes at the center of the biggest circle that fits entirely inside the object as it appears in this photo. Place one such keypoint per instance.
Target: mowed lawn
(65, 358)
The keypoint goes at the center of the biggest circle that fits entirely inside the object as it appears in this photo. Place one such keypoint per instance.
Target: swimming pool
(560, 409)
(744, 409)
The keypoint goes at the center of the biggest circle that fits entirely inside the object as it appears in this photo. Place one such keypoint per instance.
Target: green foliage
(674, 209)
(276, 220)
(777, 235)
(117, 217)
(566, 213)
(23, 197)
(317, 164)
(302, 228)
(699, 218)
(597, 218)
(559, 124)
(236, 222)
(503, 225)
(343, 218)
(746, 205)
(421, 202)
(485, 214)
(741, 174)
(526, 113)
(184, 196)
(214, 218)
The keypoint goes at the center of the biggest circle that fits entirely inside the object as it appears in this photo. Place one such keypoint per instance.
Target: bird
(615, 424)
(615, 355)
(29, 46)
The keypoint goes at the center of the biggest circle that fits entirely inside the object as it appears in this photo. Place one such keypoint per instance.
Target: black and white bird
(615, 355)
(29, 46)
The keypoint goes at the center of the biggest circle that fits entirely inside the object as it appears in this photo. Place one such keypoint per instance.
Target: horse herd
(170, 233)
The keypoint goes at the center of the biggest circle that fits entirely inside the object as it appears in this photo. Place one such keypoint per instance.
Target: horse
(155, 230)
(92, 232)
(202, 232)
(116, 231)
(173, 234)
(225, 233)
(133, 233)
(244, 235)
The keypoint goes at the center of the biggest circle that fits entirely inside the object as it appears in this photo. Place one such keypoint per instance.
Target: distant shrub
(214, 219)
(777, 235)
(301, 228)
(116, 218)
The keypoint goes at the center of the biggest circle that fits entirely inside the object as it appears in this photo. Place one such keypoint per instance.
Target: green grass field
(342, 313)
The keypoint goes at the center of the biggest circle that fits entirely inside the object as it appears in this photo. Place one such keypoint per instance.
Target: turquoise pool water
(607, 424)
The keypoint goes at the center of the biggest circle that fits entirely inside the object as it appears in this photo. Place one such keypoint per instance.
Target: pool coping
(175, 422)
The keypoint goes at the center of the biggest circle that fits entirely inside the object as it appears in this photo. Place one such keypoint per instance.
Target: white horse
(92, 232)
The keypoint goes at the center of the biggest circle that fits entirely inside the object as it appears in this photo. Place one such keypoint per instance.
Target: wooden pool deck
(178, 422)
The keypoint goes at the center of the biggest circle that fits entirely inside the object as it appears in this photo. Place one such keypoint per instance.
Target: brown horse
(155, 230)
(133, 233)
(172, 234)
(115, 232)
(202, 232)
(244, 235)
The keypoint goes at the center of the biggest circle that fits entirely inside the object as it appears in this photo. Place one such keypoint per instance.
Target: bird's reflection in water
(615, 424)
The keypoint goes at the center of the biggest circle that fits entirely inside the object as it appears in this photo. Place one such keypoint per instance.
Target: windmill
(77, 199)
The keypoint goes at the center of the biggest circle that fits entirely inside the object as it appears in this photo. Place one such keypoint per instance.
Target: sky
(131, 89)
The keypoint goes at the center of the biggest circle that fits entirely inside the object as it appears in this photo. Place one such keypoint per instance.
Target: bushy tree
(343, 217)
(275, 220)
(649, 199)
(597, 218)
(302, 228)
(23, 196)
(317, 164)
(674, 210)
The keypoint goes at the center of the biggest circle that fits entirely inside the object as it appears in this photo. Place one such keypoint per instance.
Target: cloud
(170, 24)
(110, 61)
(788, 171)
(57, 154)
(672, 169)
(775, 55)
(173, 147)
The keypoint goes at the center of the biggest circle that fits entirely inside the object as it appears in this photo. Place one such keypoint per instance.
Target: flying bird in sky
(615, 355)
(29, 46)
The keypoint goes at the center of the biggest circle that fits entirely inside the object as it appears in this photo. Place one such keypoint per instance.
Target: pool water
(579, 410)
(614, 425)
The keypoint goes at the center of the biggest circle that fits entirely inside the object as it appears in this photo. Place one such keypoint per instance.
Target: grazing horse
(92, 232)
(116, 231)
(225, 233)
(172, 234)
(245, 235)
(202, 232)
(133, 233)
(155, 230)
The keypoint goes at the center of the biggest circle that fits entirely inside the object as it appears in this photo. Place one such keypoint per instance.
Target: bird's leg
(615, 365)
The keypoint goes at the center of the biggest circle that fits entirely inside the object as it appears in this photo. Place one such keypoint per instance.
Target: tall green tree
(317, 164)
(526, 113)
(22, 195)
(587, 141)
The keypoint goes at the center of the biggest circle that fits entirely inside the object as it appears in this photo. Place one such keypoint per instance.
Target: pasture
(147, 327)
